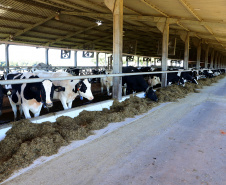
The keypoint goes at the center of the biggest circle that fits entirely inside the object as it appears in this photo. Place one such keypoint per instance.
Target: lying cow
(137, 83)
(30, 96)
(73, 88)
(107, 82)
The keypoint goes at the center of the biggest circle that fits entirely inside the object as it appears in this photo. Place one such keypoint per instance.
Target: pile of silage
(26, 141)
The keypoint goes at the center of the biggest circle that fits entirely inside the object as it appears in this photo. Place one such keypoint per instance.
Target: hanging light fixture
(57, 17)
(99, 23)
(11, 38)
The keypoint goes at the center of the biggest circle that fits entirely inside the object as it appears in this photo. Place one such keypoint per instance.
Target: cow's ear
(58, 88)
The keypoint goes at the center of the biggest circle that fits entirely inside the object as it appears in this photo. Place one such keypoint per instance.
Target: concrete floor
(180, 143)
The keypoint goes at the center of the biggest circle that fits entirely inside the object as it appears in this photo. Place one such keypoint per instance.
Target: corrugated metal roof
(72, 23)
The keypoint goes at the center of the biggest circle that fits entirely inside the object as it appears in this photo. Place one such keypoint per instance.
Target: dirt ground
(168, 146)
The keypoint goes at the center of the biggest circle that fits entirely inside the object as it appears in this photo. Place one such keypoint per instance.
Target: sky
(26, 53)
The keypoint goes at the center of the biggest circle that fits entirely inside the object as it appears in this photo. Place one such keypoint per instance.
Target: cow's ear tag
(144, 94)
(81, 98)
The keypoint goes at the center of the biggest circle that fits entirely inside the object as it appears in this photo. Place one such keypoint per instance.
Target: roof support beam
(154, 7)
(72, 34)
(146, 18)
(30, 27)
(186, 5)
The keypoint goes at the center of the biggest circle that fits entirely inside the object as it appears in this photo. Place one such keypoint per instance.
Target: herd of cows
(33, 96)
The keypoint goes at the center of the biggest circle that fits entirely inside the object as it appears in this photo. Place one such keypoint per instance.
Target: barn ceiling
(72, 23)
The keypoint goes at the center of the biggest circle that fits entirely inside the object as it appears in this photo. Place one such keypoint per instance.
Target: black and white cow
(175, 78)
(73, 88)
(154, 80)
(137, 83)
(4, 92)
(107, 82)
(189, 76)
(206, 73)
(30, 96)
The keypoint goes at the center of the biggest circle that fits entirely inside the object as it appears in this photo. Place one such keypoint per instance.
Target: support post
(206, 56)
(215, 60)
(211, 61)
(117, 9)
(165, 41)
(138, 61)
(7, 57)
(97, 59)
(198, 55)
(47, 56)
(76, 58)
(186, 51)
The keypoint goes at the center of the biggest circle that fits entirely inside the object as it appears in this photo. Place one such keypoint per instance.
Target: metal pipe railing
(19, 81)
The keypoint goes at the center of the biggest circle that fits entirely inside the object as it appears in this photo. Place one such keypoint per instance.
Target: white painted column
(116, 6)
(97, 59)
(211, 61)
(186, 51)
(215, 60)
(206, 56)
(47, 56)
(76, 58)
(7, 57)
(198, 55)
(165, 41)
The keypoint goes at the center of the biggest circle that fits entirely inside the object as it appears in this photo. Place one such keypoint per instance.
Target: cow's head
(3, 92)
(181, 82)
(155, 80)
(83, 87)
(150, 93)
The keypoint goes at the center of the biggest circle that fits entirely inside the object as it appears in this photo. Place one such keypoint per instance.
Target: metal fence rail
(19, 81)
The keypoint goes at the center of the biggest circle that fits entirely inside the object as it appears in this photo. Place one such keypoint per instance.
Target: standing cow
(189, 76)
(107, 82)
(73, 88)
(137, 83)
(175, 78)
(30, 96)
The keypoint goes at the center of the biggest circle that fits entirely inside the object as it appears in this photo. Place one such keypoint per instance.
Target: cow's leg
(69, 105)
(14, 108)
(108, 90)
(64, 104)
(26, 112)
(21, 112)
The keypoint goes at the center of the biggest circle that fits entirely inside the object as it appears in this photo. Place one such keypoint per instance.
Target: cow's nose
(49, 104)
(91, 98)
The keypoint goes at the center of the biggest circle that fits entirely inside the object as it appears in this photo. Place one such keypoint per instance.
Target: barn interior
(88, 25)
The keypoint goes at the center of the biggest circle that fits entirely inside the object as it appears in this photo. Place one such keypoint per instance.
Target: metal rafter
(72, 34)
(186, 5)
(30, 27)
(154, 7)
(191, 10)
(95, 41)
